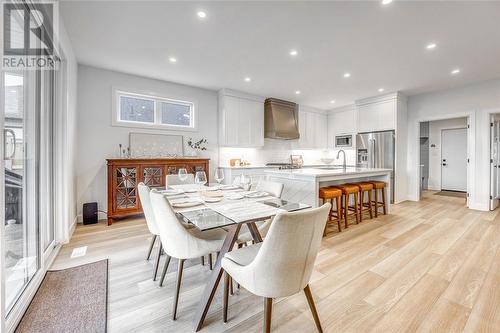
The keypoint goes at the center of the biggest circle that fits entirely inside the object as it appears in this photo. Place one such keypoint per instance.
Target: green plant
(200, 144)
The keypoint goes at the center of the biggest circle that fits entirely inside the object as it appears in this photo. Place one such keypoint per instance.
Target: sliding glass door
(21, 181)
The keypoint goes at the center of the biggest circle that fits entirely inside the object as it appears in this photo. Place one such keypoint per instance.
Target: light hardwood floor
(431, 266)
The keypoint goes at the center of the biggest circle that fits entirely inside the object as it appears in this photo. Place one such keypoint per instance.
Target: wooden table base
(213, 282)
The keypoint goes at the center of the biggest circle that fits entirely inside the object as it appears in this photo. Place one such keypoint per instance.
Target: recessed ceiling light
(201, 14)
(172, 59)
(431, 46)
(293, 53)
(455, 71)
(346, 75)
(386, 2)
(332, 101)
(297, 92)
(248, 79)
(381, 89)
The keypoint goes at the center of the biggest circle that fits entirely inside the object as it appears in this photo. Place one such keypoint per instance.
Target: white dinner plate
(210, 200)
(234, 196)
(257, 194)
(186, 204)
(171, 191)
(229, 187)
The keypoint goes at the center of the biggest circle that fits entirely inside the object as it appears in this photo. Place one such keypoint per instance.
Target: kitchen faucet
(338, 155)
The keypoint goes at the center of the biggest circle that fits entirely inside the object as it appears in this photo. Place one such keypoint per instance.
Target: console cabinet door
(125, 183)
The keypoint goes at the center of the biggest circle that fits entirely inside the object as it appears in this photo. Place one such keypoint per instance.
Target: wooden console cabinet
(124, 175)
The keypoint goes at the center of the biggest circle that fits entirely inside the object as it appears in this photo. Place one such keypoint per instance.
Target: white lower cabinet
(256, 174)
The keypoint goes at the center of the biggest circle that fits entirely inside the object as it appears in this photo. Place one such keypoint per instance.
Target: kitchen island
(302, 185)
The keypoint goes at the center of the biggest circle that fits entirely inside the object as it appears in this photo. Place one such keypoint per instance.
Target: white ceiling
(381, 46)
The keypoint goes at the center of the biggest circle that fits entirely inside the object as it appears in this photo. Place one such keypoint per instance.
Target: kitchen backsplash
(279, 151)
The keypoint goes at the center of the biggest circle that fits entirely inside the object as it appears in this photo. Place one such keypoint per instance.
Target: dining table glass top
(214, 206)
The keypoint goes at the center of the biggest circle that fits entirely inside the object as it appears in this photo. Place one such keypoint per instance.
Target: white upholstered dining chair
(175, 180)
(179, 242)
(151, 223)
(273, 188)
(282, 265)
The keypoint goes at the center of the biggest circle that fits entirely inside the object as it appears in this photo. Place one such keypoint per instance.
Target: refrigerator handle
(373, 154)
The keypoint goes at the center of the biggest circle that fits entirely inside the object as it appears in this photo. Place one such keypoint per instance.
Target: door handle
(13, 134)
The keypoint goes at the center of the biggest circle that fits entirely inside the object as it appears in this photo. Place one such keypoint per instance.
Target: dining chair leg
(268, 309)
(310, 300)
(203, 260)
(178, 287)
(164, 273)
(226, 295)
(157, 262)
(151, 247)
(231, 291)
(210, 261)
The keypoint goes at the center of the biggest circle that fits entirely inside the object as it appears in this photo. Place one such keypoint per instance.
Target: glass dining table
(229, 207)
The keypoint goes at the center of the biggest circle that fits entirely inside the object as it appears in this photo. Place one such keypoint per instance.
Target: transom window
(152, 111)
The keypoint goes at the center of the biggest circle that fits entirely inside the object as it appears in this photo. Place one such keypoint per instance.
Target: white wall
(435, 128)
(477, 101)
(98, 139)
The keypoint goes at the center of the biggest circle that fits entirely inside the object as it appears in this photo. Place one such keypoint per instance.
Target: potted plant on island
(197, 146)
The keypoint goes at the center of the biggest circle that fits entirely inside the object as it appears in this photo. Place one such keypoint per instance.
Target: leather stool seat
(348, 188)
(329, 192)
(378, 185)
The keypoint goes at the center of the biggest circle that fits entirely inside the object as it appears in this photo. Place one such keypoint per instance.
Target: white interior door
(454, 159)
(494, 163)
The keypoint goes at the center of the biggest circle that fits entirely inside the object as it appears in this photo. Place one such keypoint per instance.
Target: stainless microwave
(343, 141)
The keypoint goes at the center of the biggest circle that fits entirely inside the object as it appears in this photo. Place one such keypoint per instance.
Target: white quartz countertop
(325, 173)
(251, 166)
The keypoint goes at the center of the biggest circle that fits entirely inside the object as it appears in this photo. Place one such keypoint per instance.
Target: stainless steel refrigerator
(377, 150)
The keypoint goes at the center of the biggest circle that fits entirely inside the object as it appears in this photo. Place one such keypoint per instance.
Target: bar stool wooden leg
(370, 204)
(356, 208)
(360, 205)
(339, 214)
(345, 208)
(384, 203)
(376, 202)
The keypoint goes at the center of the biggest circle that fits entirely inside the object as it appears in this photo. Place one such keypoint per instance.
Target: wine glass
(183, 174)
(200, 178)
(246, 182)
(219, 175)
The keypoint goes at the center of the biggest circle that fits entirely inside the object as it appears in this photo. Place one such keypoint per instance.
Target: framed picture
(156, 145)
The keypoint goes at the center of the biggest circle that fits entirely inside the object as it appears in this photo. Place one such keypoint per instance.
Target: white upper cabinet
(377, 114)
(241, 119)
(312, 128)
(341, 121)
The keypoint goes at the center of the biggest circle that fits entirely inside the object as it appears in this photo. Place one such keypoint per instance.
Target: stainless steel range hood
(280, 119)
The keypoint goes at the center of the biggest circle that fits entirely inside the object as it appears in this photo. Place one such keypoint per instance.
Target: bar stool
(331, 193)
(378, 185)
(365, 188)
(347, 191)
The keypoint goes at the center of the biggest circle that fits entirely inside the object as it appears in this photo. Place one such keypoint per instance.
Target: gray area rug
(70, 300)
(452, 194)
